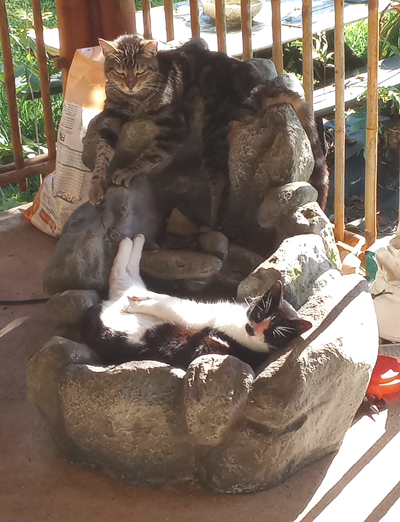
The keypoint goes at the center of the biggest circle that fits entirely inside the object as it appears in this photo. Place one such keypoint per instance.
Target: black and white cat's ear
(276, 293)
(302, 325)
(107, 47)
(149, 48)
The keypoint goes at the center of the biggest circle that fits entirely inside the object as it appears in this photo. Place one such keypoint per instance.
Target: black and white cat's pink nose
(257, 328)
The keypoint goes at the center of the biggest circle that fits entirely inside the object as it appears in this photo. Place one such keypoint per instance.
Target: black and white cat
(137, 324)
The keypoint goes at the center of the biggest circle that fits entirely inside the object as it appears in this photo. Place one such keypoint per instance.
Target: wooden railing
(22, 168)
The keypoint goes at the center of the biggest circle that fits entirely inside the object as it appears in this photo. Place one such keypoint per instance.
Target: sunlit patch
(11, 326)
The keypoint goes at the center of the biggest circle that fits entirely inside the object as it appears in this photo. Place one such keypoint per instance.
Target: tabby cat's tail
(269, 94)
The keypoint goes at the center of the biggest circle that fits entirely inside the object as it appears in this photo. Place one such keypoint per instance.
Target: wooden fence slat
(146, 4)
(246, 29)
(27, 172)
(277, 54)
(44, 79)
(194, 18)
(371, 142)
(308, 67)
(169, 19)
(340, 123)
(11, 93)
(220, 22)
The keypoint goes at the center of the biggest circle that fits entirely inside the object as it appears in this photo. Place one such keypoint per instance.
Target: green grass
(356, 37)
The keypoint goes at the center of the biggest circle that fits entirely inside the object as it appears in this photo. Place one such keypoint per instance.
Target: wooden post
(169, 19)
(194, 18)
(340, 122)
(74, 26)
(371, 142)
(246, 29)
(277, 55)
(11, 94)
(220, 22)
(146, 4)
(44, 80)
(116, 18)
(308, 67)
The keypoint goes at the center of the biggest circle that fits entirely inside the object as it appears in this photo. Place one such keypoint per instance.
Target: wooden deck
(323, 20)
(388, 76)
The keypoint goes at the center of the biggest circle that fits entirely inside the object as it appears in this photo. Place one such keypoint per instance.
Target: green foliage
(356, 37)
(20, 21)
(390, 32)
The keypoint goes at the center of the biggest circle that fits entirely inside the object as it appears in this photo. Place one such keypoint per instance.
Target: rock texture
(67, 308)
(267, 152)
(298, 263)
(216, 390)
(84, 254)
(146, 423)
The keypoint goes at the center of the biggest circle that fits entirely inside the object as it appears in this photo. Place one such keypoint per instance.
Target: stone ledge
(146, 423)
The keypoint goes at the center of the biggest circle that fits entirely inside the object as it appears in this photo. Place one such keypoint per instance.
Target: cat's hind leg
(125, 271)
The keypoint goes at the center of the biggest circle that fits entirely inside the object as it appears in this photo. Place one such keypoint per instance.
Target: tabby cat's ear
(108, 48)
(149, 48)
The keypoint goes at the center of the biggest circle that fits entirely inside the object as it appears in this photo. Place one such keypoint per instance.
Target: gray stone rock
(45, 371)
(67, 308)
(301, 405)
(298, 262)
(130, 420)
(179, 264)
(285, 200)
(237, 266)
(214, 243)
(269, 151)
(293, 211)
(145, 423)
(85, 252)
(216, 390)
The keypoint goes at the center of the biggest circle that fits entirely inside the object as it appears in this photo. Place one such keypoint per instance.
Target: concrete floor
(359, 483)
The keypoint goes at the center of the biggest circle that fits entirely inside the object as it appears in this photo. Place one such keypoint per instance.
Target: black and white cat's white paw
(125, 271)
(146, 304)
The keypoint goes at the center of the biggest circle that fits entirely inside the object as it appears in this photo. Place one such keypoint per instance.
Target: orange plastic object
(385, 379)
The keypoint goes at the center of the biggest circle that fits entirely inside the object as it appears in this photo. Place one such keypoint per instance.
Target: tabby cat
(137, 324)
(168, 87)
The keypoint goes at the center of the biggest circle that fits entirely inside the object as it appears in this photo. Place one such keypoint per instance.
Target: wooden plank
(323, 20)
(147, 32)
(340, 123)
(44, 80)
(169, 19)
(308, 67)
(371, 142)
(246, 29)
(388, 76)
(11, 93)
(194, 18)
(277, 53)
(220, 23)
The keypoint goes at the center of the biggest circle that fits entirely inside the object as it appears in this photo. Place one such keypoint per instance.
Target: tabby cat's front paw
(96, 193)
(123, 177)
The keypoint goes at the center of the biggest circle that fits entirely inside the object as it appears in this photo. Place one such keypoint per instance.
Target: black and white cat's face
(273, 320)
(130, 63)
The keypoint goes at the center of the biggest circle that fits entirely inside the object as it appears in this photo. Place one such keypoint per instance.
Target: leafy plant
(390, 31)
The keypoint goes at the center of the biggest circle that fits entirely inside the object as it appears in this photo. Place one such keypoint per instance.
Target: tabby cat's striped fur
(168, 87)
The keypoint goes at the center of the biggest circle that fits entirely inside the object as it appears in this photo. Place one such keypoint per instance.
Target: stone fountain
(220, 423)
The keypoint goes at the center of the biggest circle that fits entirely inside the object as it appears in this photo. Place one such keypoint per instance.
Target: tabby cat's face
(273, 320)
(130, 63)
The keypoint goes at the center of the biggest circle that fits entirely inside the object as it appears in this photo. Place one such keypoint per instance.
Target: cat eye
(120, 73)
